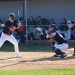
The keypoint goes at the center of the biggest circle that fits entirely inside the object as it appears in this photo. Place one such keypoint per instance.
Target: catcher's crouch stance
(60, 44)
(8, 28)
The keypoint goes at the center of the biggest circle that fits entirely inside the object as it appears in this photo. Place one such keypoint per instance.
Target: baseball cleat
(63, 55)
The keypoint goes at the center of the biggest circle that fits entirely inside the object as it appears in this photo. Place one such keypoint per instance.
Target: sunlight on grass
(40, 72)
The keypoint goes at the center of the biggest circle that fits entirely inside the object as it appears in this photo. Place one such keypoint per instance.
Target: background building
(46, 8)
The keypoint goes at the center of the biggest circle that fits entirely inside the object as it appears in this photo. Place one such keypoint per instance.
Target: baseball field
(35, 60)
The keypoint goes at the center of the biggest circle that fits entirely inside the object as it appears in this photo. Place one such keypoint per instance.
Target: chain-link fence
(32, 35)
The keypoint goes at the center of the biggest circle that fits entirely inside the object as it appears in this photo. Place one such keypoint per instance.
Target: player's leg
(60, 49)
(15, 43)
(63, 47)
(59, 52)
(2, 39)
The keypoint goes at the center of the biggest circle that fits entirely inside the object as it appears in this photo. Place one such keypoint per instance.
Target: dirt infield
(36, 60)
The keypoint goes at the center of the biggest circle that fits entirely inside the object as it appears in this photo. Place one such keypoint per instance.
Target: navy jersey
(7, 25)
(59, 38)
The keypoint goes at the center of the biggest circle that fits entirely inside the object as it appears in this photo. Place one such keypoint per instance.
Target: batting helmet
(12, 15)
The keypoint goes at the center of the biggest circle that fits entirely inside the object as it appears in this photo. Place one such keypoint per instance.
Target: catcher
(60, 45)
(10, 26)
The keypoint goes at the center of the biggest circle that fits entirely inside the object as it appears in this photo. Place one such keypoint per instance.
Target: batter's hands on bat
(12, 28)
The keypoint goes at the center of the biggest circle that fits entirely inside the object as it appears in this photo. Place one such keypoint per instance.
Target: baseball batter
(10, 26)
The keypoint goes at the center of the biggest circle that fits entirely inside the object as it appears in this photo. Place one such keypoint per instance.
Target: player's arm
(49, 36)
(19, 25)
(15, 27)
(12, 28)
(52, 35)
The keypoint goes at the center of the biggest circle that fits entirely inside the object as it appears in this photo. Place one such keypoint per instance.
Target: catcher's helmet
(52, 29)
(12, 15)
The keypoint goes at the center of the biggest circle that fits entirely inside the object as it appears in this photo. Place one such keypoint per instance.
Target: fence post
(26, 21)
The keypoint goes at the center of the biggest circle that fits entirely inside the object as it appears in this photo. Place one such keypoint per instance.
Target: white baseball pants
(12, 40)
(62, 47)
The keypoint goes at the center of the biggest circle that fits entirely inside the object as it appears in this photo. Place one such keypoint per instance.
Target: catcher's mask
(51, 29)
(12, 15)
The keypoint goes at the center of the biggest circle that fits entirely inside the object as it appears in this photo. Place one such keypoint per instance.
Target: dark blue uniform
(59, 38)
(8, 24)
(60, 44)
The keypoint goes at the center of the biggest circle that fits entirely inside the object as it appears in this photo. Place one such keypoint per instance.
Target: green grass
(8, 47)
(40, 72)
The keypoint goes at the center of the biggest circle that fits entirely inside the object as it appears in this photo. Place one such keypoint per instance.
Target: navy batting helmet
(12, 15)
